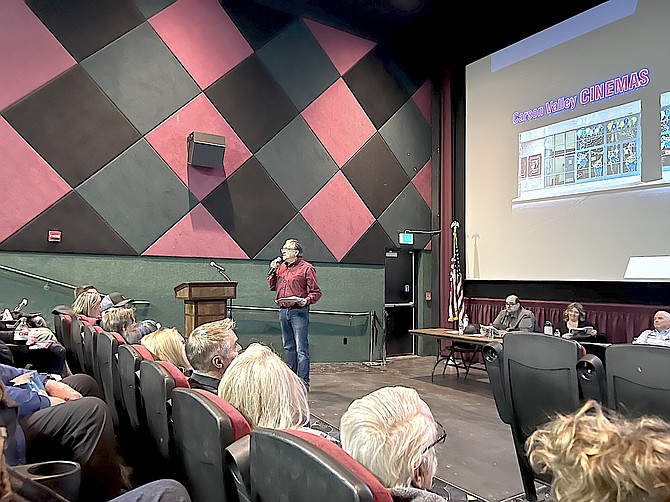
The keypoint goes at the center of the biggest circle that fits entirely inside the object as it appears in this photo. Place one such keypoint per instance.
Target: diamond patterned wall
(327, 139)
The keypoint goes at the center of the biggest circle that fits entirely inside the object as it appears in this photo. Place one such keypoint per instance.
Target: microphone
(217, 266)
(221, 270)
(279, 260)
(21, 305)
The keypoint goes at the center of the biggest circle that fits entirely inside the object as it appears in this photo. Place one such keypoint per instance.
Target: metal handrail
(276, 309)
(38, 277)
(143, 303)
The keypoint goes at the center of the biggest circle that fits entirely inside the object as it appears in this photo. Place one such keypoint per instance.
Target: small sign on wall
(54, 236)
(406, 238)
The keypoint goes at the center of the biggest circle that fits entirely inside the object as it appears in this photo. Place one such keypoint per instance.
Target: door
(400, 301)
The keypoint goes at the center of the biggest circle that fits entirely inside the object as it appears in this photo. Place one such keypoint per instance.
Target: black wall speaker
(206, 150)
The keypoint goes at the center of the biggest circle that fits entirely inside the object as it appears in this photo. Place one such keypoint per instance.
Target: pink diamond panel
(338, 216)
(28, 186)
(422, 98)
(343, 49)
(199, 235)
(169, 140)
(202, 37)
(30, 56)
(339, 122)
(423, 182)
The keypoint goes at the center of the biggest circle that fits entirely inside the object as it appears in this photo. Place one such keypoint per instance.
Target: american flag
(456, 307)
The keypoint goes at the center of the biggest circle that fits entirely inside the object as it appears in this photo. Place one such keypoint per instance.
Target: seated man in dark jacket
(514, 317)
(64, 420)
(210, 348)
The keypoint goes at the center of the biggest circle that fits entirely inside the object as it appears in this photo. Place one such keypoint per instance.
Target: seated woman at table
(575, 317)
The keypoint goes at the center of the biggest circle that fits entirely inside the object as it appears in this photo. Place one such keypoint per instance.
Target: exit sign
(406, 238)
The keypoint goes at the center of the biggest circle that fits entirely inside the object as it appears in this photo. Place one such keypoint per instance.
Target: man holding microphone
(294, 281)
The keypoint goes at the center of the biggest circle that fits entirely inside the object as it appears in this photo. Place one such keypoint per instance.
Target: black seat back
(495, 365)
(539, 380)
(106, 349)
(304, 467)
(157, 380)
(204, 425)
(638, 380)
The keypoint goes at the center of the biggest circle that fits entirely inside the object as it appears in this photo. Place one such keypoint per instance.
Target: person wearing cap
(114, 300)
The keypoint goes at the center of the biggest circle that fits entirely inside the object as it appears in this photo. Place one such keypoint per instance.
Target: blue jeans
(294, 324)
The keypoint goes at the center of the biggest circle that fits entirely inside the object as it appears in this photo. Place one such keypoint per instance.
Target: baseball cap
(114, 300)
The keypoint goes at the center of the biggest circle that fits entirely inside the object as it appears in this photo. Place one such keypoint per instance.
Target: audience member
(210, 348)
(392, 432)
(598, 455)
(82, 289)
(65, 420)
(15, 487)
(660, 335)
(137, 331)
(514, 317)
(265, 390)
(87, 308)
(167, 344)
(114, 300)
(117, 320)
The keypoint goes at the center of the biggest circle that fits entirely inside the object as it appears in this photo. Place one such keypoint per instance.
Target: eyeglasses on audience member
(441, 437)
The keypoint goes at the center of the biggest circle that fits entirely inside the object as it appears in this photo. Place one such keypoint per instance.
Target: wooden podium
(204, 301)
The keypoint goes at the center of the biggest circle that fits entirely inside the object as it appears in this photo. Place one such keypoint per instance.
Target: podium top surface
(206, 290)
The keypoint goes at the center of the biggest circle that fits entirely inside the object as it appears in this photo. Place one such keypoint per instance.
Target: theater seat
(533, 377)
(157, 380)
(129, 359)
(204, 425)
(300, 466)
(638, 380)
(107, 346)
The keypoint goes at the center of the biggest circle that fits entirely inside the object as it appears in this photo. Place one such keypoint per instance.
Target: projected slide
(568, 149)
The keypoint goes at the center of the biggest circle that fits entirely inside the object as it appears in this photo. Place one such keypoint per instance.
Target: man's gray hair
(207, 341)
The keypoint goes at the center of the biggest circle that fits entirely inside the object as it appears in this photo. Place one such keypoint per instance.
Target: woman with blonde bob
(87, 307)
(265, 390)
(167, 344)
(393, 434)
(599, 455)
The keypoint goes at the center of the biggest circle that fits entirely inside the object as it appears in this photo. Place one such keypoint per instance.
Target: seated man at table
(660, 335)
(514, 317)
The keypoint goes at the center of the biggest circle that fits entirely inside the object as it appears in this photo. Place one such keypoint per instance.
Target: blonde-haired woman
(87, 307)
(167, 344)
(600, 455)
(265, 390)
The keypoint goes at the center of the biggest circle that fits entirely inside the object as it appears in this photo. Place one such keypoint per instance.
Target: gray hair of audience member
(85, 303)
(117, 319)
(389, 431)
(265, 390)
(208, 340)
(600, 455)
(167, 344)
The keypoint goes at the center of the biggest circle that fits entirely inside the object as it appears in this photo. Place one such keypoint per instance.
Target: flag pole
(456, 307)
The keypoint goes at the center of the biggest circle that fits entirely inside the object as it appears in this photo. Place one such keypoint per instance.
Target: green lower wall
(346, 288)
